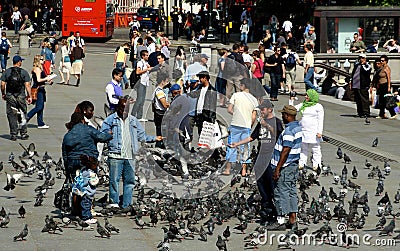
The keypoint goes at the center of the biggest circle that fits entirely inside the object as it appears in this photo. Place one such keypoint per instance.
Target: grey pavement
(61, 101)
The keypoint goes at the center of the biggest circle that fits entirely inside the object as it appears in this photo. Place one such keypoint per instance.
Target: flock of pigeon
(196, 217)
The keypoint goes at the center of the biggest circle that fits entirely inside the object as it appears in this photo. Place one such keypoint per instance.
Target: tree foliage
(376, 2)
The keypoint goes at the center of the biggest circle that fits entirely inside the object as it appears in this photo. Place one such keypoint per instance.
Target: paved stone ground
(61, 100)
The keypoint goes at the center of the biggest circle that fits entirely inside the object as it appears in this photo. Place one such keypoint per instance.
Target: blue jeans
(38, 109)
(126, 169)
(137, 109)
(3, 61)
(17, 25)
(275, 83)
(237, 134)
(125, 80)
(309, 78)
(86, 205)
(243, 38)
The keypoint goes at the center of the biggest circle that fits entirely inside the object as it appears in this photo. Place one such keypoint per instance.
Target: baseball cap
(17, 58)
(53, 33)
(175, 87)
(266, 104)
(194, 79)
(203, 73)
(362, 55)
(204, 56)
(289, 109)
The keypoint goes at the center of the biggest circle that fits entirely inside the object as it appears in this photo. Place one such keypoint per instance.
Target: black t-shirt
(278, 68)
(53, 42)
(326, 85)
(264, 135)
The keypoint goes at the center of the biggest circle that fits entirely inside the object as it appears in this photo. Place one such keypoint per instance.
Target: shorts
(65, 68)
(76, 67)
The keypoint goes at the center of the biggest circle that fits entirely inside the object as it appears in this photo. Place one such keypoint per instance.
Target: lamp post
(175, 23)
(210, 30)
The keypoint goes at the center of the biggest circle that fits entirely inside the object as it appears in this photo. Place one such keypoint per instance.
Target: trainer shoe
(393, 117)
(276, 227)
(25, 137)
(91, 221)
(113, 205)
(43, 127)
(13, 138)
(143, 120)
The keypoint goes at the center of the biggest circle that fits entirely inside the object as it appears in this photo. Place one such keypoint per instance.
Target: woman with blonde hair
(65, 62)
(39, 80)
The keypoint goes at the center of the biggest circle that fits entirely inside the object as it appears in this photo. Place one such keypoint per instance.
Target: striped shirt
(126, 146)
(290, 137)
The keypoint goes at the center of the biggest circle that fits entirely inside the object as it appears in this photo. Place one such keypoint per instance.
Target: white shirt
(16, 16)
(287, 25)
(151, 48)
(243, 106)
(200, 101)
(247, 58)
(145, 78)
(312, 122)
(126, 146)
(110, 92)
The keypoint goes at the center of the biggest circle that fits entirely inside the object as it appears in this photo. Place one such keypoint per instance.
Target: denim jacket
(82, 140)
(113, 123)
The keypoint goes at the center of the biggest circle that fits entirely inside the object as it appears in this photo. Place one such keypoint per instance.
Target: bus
(92, 18)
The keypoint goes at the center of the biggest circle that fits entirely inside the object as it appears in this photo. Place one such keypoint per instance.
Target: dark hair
(162, 55)
(246, 48)
(204, 75)
(309, 47)
(71, 33)
(84, 105)
(143, 52)
(140, 40)
(355, 34)
(179, 51)
(149, 40)
(245, 82)
(116, 71)
(276, 48)
(386, 58)
(235, 47)
(256, 53)
(76, 118)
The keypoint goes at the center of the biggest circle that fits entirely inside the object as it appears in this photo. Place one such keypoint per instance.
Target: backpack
(290, 60)
(4, 46)
(15, 81)
(230, 66)
(134, 78)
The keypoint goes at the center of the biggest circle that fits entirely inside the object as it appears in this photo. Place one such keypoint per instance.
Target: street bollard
(23, 43)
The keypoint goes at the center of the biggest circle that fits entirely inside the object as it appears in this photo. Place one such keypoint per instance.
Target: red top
(257, 72)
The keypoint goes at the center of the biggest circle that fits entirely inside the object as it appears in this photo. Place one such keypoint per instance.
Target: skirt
(76, 67)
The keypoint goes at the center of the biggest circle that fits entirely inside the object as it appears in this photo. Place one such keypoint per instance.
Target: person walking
(127, 133)
(114, 90)
(5, 46)
(143, 69)
(360, 84)
(120, 55)
(160, 104)
(16, 18)
(309, 67)
(284, 164)
(277, 72)
(16, 91)
(312, 124)
(242, 106)
(76, 56)
(291, 60)
(65, 63)
(266, 132)
(39, 80)
(383, 88)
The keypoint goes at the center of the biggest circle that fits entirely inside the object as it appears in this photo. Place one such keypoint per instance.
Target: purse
(391, 102)
(62, 197)
(34, 92)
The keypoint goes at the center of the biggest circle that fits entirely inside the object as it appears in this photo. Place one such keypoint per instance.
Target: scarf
(314, 97)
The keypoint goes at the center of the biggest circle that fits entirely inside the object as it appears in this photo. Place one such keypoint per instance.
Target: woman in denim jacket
(122, 150)
(81, 139)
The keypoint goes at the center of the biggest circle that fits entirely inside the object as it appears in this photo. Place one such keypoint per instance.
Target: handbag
(391, 102)
(30, 29)
(34, 92)
(62, 197)
(67, 59)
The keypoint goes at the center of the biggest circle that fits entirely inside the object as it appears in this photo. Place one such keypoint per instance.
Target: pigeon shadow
(8, 197)
(5, 136)
(24, 201)
(349, 115)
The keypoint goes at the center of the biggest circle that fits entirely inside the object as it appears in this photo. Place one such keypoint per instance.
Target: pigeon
(140, 223)
(82, 223)
(110, 227)
(102, 231)
(346, 158)
(241, 227)
(354, 172)
(221, 244)
(226, 233)
(21, 236)
(22, 211)
(384, 200)
(347, 240)
(332, 194)
(1, 166)
(381, 222)
(339, 153)
(367, 121)
(397, 197)
(203, 234)
(12, 180)
(353, 185)
(11, 157)
(3, 212)
(367, 164)
(375, 142)
(388, 230)
(387, 168)
(4, 221)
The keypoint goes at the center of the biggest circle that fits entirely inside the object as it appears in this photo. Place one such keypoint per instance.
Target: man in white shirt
(242, 106)
(114, 90)
(309, 67)
(197, 66)
(287, 26)
(143, 69)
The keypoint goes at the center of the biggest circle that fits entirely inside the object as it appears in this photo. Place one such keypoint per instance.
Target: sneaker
(143, 120)
(25, 137)
(91, 221)
(43, 127)
(276, 227)
(393, 117)
(113, 205)
(13, 137)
